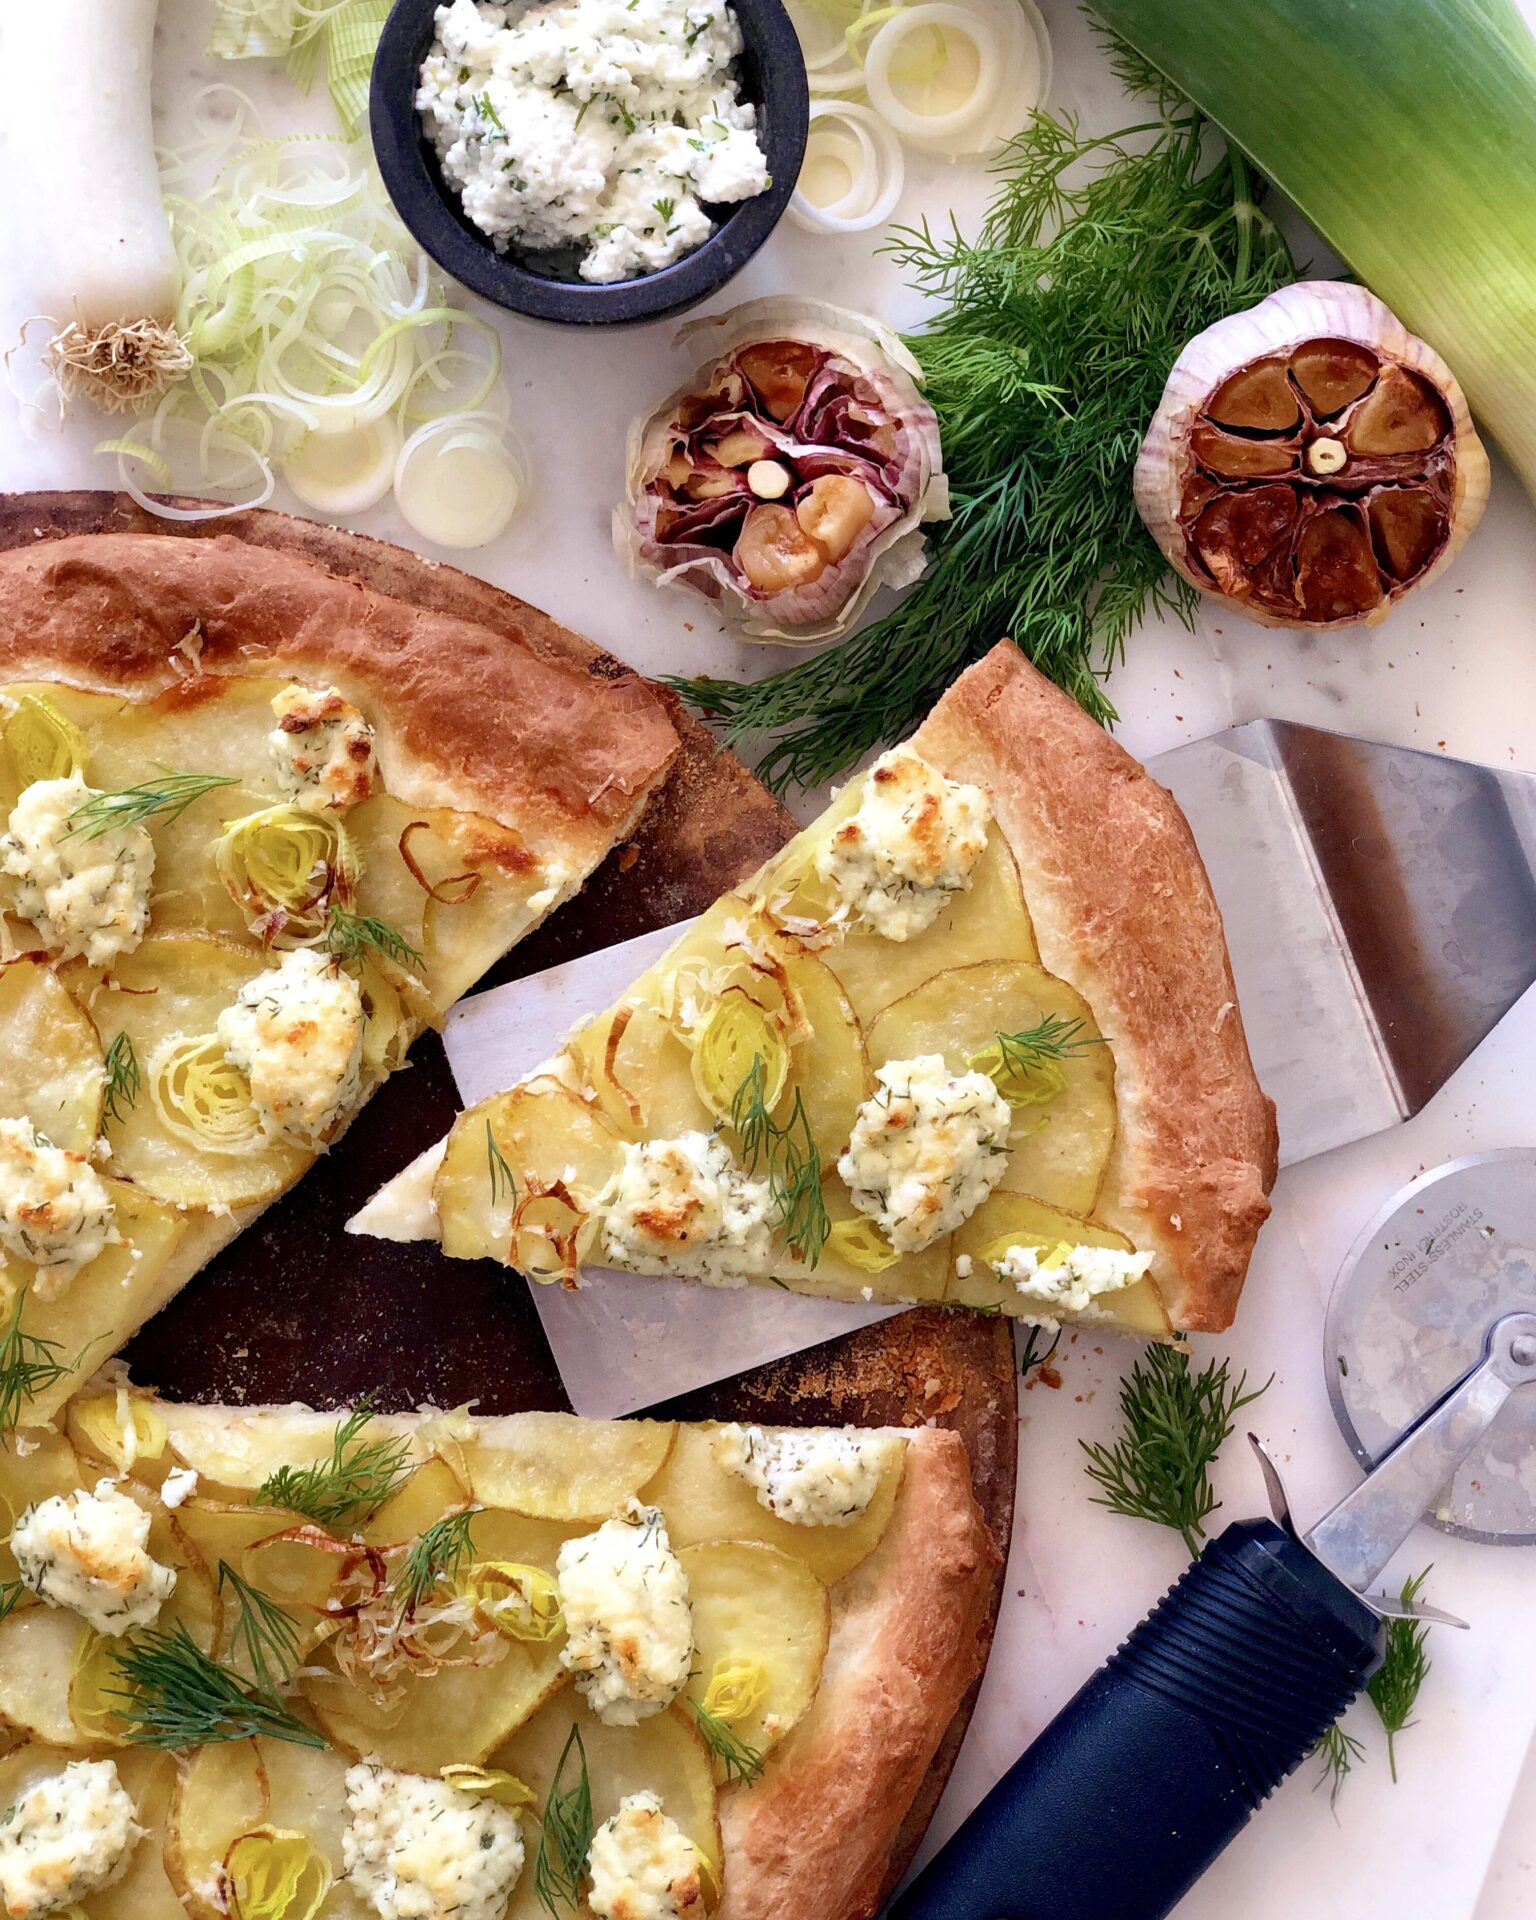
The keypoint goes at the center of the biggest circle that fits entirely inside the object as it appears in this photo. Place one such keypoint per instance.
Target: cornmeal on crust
(1123, 912)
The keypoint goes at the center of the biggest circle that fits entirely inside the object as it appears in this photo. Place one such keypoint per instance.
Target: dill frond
(740, 1761)
(434, 1555)
(502, 1183)
(354, 1482)
(566, 1828)
(28, 1367)
(175, 1695)
(1338, 1751)
(353, 936)
(167, 798)
(791, 1158)
(124, 1078)
(1174, 1423)
(1394, 1686)
(263, 1632)
(1030, 1354)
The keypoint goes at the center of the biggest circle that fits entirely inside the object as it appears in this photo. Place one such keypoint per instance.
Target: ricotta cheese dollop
(818, 1478)
(89, 1552)
(322, 749)
(684, 1206)
(604, 125)
(69, 1835)
(418, 1849)
(87, 897)
(913, 842)
(642, 1865)
(927, 1148)
(54, 1207)
(296, 1033)
(628, 1622)
(1068, 1279)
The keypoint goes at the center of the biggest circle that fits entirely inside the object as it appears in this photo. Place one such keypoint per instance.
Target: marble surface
(1454, 671)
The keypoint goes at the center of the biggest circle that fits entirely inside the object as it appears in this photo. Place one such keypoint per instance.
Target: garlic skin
(1297, 523)
(790, 477)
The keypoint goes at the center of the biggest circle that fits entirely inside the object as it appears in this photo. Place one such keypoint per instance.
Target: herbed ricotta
(820, 1478)
(418, 1849)
(86, 897)
(296, 1033)
(628, 1622)
(1069, 1279)
(684, 1206)
(913, 842)
(69, 1835)
(54, 1207)
(608, 125)
(88, 1552)
(322, 749)
(927, 1148)
(642, 1865)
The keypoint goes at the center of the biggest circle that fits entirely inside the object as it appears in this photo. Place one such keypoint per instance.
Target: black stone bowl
(771, 75)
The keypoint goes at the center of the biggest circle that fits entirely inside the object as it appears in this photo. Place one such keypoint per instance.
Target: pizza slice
(259, 825)
(269, 1662)
(971, 1037)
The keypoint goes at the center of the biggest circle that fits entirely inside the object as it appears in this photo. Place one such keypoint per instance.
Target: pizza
(272, 1663)
(971, 1037)
(262, 823)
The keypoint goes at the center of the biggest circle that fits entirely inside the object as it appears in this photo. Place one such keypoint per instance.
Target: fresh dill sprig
(1098, 260)
(10, 1592)
(790, 1157)
(132, 806)
(28, 1367)
(353, 936)
(175, 1695)
(1175, 1422)
(500, 1172)
(487, 111)
(740, 1761)
(1338, 1751)
(565, 1833)
(263, 1632)
(1394, 1686)
(354, 1482)
(124, 1078)
(437, 1554)
(1030, 1355)
(1053, 1039)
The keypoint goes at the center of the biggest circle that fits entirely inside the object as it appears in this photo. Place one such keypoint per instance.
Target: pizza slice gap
(478, 1660)
(260, 826)
(971, 1038)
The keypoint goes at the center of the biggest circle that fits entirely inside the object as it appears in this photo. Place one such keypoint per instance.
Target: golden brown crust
(522, 721)
(815, 1834)
(1123, 912)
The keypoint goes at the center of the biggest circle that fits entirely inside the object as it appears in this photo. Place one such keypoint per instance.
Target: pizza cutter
(1227, 1685)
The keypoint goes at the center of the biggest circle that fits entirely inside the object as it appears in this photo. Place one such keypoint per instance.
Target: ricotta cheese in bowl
(599, 131)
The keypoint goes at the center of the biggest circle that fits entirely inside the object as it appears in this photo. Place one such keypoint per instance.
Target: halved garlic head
(790, 477)
(1312, 461)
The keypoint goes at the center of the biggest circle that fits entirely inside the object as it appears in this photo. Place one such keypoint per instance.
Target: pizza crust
(1123, 912)
(521, 721)
(813, 1838)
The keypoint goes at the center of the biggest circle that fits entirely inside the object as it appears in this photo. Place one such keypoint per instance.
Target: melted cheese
(68, 1836)
(1069, 1279)
(418, 1849)
(815, 1478)
(87, 897)
(628, 1622)
(322, 749)
(296, 1033)
(54, 1208)
(684, 1206)
(642, 1865)
(927, 1148)
(912, 843)
(87, 1552)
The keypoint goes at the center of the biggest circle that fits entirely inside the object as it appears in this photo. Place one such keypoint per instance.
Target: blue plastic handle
(1141, 1780)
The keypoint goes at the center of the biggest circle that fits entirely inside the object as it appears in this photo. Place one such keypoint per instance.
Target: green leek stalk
(1404, 131)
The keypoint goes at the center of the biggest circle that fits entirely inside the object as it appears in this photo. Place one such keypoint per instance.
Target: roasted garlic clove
(1311, 461)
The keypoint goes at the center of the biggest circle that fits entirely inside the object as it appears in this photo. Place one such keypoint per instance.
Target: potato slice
(987, 922)
(560, 1468)
(51, 1070)
(701, 1502)
(1026, 1222)
(917, 1276)
(38, 1647)
(755, 1604)
(180, 983)
(259, 1544)
(432, 1491)
(145, 1891)
(540, 1132)
(233, 1450)
(1060, 1146)
(47, 1468)
(645, 1088)
(230, 1790)
(663, 1754)
(111, 1297)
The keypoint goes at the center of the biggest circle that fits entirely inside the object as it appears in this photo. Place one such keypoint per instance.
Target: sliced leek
(853, 172)
(43, 744)
(271, 1873)
(460, 479)
(200, 1098)
(284, 867)
(520, 1602)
